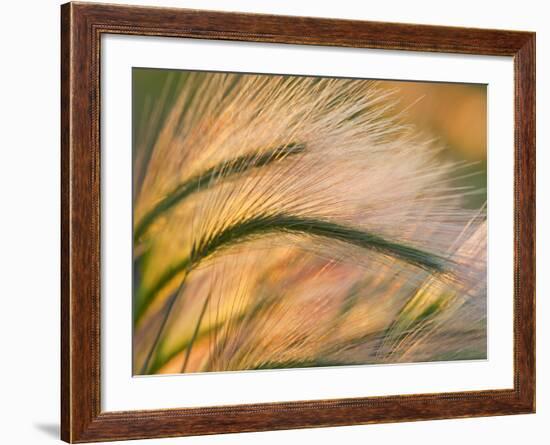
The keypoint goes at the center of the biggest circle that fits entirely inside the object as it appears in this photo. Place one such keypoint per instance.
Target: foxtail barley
(295, 221)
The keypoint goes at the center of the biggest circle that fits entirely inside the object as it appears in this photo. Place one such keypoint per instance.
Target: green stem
(281, 223)
(160, 360)
(167, 311)
(213, 176)
(194, 337)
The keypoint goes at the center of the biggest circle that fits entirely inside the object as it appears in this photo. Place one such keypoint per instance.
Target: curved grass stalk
(281, 223)
(158, 361)
(194, 336)
(167, 310)
(213, 176)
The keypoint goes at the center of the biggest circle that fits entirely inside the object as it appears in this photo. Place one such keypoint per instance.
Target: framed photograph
(275, 222)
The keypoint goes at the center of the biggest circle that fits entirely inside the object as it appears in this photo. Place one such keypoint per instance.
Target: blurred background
(455, 114)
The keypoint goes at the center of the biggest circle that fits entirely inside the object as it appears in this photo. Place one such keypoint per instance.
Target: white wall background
(29, 219)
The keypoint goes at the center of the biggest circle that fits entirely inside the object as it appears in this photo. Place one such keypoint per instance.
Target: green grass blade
(161, 358)
(265, 225)
(194, 336)
(214, 176)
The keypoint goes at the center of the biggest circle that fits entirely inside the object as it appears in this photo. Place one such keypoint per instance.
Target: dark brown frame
(82, 25)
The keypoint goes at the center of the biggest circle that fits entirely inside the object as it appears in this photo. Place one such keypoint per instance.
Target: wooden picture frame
(82, 25)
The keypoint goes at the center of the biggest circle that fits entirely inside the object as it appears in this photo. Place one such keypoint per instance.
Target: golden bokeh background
(455, 116)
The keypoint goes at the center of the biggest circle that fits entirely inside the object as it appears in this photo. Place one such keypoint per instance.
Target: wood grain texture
(81, 28)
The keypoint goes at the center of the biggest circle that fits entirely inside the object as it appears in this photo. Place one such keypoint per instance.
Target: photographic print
(285, 221)
(277, 222)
